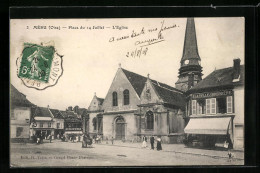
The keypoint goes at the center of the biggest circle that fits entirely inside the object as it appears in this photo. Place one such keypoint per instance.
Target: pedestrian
(159, 144)
(58, 136)
(152, 142)
(50, 137)
(230, 156)
(144, 144)
(112, 140)
(106, 140)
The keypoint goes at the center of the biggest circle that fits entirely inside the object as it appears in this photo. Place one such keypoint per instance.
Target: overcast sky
(90, 60)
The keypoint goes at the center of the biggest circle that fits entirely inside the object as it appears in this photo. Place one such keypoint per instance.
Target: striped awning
(209, 126)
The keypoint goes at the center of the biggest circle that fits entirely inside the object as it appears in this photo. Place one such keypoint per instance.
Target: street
(68, 154)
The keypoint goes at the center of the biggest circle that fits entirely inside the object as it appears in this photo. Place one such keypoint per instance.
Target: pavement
(181, 148)
(60, 154)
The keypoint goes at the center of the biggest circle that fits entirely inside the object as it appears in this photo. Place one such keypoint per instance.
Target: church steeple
(190, 70)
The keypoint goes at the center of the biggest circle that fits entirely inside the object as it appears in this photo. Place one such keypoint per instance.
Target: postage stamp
(39, 65)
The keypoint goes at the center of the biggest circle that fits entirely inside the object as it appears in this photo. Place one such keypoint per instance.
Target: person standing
(152, 142)
(159, 144)
(144, 144)
(112, 140)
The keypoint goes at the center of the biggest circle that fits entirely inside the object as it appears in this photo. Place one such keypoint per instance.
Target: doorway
(120, 128)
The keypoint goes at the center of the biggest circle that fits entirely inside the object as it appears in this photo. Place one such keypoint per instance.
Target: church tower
(190, 70)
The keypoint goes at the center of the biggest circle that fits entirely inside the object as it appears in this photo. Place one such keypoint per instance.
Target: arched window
(149, 120)
(114, 95)
(126, 97)
(148, 94)
(94, 121)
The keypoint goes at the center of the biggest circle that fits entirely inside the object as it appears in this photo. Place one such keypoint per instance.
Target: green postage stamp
(39, 66)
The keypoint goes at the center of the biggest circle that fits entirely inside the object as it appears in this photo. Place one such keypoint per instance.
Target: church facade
(136, 105)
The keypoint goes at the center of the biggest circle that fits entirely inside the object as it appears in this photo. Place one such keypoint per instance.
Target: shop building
(215, 109)
(58, 123)
(42, 122)
(72, 122)
(20, 116)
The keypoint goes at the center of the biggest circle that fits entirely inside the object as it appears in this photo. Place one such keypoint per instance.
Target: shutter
(213, 106)
(208, 106)
(194, 102)
(229, 104)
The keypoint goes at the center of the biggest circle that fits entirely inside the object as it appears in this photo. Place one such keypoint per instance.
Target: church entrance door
(120, 128)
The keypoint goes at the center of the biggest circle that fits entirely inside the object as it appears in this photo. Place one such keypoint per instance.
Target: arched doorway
(120, 128)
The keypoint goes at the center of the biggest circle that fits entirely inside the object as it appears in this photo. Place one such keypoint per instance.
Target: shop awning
(73, 132)
(209, 126)
(43, 118)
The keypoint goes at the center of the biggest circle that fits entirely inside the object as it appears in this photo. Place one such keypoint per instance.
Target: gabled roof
(42, 112)
(56, 113)
(136, 80)
(169, 95)
(19, 99)
(220, 78)
(101, 100)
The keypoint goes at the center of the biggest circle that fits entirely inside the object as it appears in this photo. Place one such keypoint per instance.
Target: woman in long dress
(144, 144)
(159, 144)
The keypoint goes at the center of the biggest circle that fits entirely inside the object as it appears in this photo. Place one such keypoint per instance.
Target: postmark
(39, 66)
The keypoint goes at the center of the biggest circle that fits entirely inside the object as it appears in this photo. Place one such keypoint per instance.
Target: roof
(18, 99)
(136, 80)
(42, 112)
(168, 93)
(70, 115)
(220, 78)
(170, 96)
(190, 48)
(56, 113)
(101, 100)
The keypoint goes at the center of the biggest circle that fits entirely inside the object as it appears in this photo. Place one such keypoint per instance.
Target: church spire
(190, 70)
(190, 48)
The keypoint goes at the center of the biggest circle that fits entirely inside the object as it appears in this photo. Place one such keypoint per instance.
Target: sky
(91, 57)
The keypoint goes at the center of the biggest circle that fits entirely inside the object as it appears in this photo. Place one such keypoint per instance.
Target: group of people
(152, 141)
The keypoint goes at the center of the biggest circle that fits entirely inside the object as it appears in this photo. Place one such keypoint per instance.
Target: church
(137, 105)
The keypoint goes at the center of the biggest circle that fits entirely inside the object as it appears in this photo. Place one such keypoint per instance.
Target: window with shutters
(126, 97)
(229, 104)
(194, 104)
(114, 95)
(211, 106)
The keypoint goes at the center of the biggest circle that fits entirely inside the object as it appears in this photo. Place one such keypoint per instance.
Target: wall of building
(20, 122)
(238, 123)
(119, 84)
(56, 121)
(109, 125)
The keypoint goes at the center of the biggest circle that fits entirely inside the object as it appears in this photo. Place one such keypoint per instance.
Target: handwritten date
(137, 53)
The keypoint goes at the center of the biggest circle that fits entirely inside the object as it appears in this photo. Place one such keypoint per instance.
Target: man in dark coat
(152, 142)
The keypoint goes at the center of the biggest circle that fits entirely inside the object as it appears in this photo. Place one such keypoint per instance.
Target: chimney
(76, 109)
(190, 80)
(70, 108)
(236, 70)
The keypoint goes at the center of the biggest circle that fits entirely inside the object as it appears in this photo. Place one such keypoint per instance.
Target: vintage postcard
(127, 92)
